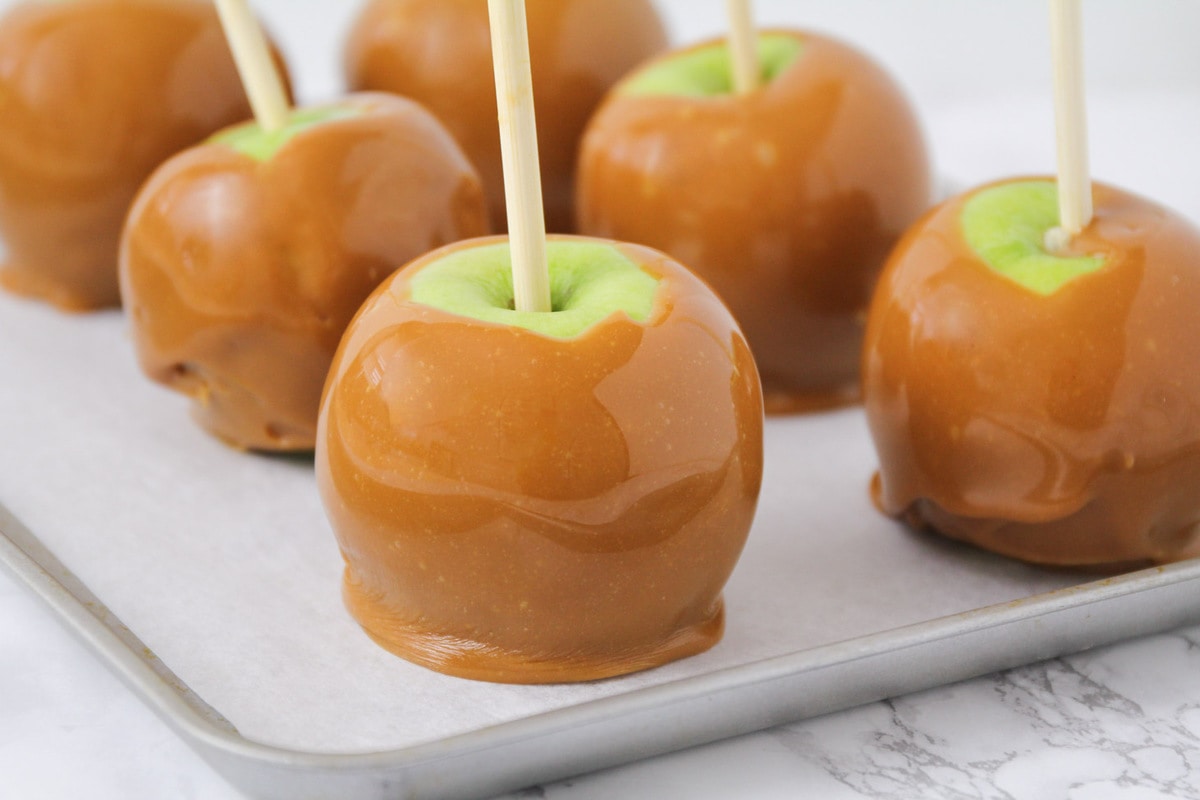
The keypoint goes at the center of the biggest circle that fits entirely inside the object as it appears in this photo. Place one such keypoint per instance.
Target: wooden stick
(1074, 180)
(743, 48)
(253, 57)
(519, 152)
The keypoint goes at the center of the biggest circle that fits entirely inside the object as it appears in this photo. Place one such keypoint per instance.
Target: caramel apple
(438, 52)
(94, 94)
(786, 199)
(1042, 405)
(244, 259)
(541, 496)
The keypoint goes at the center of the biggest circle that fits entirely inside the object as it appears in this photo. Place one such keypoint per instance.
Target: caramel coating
(786, 200)
(1062, 429)
(518, 508)
(240, 276)
(439, 53)
(94, 94)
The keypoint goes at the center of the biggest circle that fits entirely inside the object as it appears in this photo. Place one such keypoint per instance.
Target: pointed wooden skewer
(743, 49)
(1074, 180)
(519, 153)
(261, 80)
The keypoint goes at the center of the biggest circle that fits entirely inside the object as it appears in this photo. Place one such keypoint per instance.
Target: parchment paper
(224, 565)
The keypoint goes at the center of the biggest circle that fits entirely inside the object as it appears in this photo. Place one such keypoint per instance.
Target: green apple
(589, 281)
(541, 497)
(1054, 418)
(785, 199)
(1007, 226)
(94, 96)
(244, 259)
(251, 140)
(707, 71)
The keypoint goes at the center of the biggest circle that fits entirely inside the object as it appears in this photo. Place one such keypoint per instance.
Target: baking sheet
(222, 563)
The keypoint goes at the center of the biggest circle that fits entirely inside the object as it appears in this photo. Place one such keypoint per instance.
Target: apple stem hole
(1057, 241)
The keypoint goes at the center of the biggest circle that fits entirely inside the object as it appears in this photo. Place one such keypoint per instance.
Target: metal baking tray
(831, 607)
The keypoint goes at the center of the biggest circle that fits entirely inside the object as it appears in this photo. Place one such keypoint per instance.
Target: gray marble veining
(1120, 722)
(1087, 726)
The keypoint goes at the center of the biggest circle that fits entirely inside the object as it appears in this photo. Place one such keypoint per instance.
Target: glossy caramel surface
(519, 508)
(94, 94)
(240, 276)
(438, 52)
(1062, 429)
(785, 200)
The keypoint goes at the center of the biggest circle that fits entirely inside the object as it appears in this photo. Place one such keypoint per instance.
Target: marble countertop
(1120, 722)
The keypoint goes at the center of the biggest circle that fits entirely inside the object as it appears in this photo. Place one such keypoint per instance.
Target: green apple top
(589, 281)
(251, 140)
(707, 71)
(1006, 226)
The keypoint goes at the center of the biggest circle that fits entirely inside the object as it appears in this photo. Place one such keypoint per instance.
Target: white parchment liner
(224, 565)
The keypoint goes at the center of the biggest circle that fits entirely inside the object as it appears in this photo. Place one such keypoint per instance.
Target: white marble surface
(1121, 722)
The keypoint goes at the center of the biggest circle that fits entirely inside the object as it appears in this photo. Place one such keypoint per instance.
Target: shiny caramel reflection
(240, 276)
(93, 97)
(519, 508)
(786, 201)
(1062, 429)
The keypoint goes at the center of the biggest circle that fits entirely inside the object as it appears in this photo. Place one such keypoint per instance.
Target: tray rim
(238, 758)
